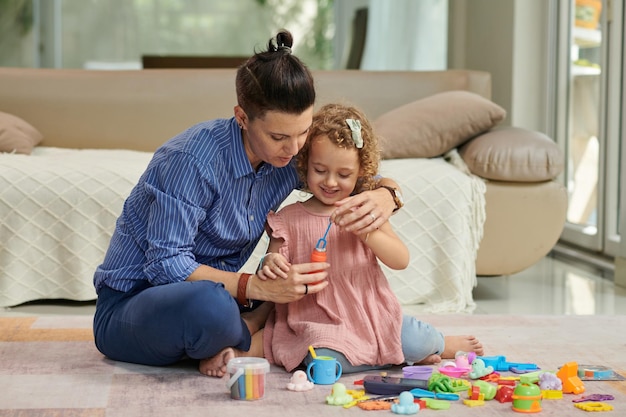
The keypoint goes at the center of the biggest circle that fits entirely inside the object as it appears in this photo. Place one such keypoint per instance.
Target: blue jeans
(160, 325)
(419, 340)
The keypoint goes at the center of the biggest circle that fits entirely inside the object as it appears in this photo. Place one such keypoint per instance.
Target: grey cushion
(431, 126)
(513, 154)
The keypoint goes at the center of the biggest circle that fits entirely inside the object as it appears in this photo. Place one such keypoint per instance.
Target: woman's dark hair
(275, 80)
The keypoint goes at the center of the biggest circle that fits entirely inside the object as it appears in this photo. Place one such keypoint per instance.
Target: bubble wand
(321, 244)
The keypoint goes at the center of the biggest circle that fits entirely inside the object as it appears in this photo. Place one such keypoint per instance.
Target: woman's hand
(274, 265)
(364, 212)
(300, 282)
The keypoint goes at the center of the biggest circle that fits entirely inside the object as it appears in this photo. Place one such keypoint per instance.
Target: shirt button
(251, 218)
(223, 263)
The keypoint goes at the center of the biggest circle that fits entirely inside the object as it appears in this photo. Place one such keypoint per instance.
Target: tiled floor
(553, 286)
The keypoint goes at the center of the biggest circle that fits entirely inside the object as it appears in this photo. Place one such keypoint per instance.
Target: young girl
(357, 317)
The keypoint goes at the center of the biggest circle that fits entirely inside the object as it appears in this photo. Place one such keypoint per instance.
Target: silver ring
(306, 289)
(373, 217)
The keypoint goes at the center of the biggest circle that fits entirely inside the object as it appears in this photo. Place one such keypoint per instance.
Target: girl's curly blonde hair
(330, 121)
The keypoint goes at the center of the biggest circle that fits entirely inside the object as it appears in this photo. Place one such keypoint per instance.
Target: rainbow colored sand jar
(527, 398)
(247, 378)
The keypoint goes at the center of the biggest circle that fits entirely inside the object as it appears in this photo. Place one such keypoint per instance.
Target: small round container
(417, 372)
(247, 378)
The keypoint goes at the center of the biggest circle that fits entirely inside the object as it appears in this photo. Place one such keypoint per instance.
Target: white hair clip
(355, 127)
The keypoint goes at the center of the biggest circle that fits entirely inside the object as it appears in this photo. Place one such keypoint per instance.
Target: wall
(509, 39)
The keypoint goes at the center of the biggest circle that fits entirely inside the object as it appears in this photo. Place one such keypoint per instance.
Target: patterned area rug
(50, 367)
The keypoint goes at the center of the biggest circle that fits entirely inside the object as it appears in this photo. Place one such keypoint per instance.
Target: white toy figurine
(299, 382)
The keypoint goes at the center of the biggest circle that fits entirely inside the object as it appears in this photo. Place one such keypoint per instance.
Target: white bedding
(57, 211)
(58, 208)
(442, 224)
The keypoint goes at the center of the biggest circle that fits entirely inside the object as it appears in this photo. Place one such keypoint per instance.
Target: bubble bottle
(319, 252)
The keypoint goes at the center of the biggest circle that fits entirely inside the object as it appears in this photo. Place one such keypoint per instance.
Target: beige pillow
(432, 126)
(16, 135)
(513, 154)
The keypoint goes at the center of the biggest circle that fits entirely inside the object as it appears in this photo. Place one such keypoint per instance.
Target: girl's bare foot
(216, 366)
(465, 343)
(430, 360)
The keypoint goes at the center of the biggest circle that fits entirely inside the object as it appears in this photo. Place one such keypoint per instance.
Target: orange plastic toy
(568, 374)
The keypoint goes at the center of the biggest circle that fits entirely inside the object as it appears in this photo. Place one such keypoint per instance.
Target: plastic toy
(457, 385)
(453, 370)
(500, 364)
(299, 382)
(338, 395)
(464, 359)
(422, 393)
(598, 373)
(571, 382)
(504, 394)
(487, 389)
(405, 404)
(479, 369)
(417, 372)
(389, 385)
(437, 404)
(474, 394)
(530, 377)
(492, 377)
(549, 381)
(594, 397)
(551, 394)
(357, 395)
(473, 403)
(594, 406)
(439, 383)
(374, 405)
(527, 398)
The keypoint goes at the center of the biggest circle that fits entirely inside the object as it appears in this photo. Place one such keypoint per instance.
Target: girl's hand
(274, 265)
(365, 212)
(301, 281)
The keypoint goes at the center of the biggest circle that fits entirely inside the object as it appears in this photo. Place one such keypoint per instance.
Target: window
(114, 34)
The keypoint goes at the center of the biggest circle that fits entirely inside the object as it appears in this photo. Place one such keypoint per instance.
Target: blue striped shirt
(198, 202)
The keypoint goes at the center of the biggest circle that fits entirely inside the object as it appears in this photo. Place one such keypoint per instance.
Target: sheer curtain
(406, 35)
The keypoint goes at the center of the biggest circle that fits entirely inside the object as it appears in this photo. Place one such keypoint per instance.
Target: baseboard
(594, 262)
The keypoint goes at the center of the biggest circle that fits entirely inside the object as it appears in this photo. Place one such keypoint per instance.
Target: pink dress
(357, 314)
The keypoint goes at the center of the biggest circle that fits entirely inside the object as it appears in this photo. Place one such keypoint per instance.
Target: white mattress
(58, 208)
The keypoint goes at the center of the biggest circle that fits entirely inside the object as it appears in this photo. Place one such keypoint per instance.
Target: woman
(168, 287)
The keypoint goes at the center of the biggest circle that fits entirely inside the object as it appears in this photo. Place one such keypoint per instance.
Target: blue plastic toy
(405, 404)
(500, 364)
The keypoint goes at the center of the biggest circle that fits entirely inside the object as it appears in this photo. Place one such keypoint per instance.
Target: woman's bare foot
(465, 343)
(255, 321)
(216, 366)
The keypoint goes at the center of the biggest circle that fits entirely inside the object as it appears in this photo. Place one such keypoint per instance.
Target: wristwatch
(397, 197)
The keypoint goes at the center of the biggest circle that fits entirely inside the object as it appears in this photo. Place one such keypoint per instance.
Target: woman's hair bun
(283, 42)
